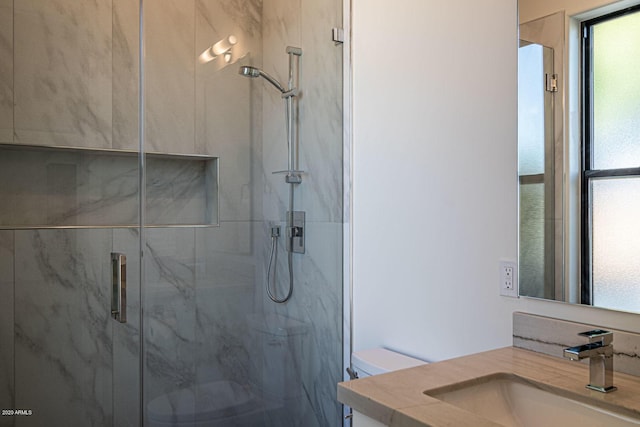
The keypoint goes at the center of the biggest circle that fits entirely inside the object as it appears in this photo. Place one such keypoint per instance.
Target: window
(611, 161)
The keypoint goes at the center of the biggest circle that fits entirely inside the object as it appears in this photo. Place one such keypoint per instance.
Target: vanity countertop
(398, 398)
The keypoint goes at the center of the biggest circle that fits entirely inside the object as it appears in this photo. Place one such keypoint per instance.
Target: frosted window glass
(616, 243)
(616, 93)
(531, 260)
(530, 110)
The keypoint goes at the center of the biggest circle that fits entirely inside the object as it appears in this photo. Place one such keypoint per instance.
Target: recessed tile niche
(46, 187)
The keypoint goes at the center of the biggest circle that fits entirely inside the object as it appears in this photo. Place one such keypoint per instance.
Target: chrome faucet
(599, 351)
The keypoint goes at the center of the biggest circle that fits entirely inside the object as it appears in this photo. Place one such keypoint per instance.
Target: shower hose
(273, 259)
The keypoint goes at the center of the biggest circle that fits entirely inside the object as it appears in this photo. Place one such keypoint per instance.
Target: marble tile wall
(126, 336)
(225, 285)
(56, 187)
(181, 191)
(63, 46)
(170, 307)
(224, 125)
(321, 111)
(125, 68)
(200, 282)
(317, 299)
(225, 108)
(66, 346)
(207, 316)
(230, 262)
(63, 327)
(88, 51)
(316, 303)
(551, 336)
(90, 188)
(6, 71)
(6, 325)
(169, 76)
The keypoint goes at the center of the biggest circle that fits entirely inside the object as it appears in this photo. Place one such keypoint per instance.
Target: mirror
(541, 160)
(557, 191)
(537, 196)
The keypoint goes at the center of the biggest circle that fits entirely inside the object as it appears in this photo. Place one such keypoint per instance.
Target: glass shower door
(216, 349)
(201, 340)
(69, 167)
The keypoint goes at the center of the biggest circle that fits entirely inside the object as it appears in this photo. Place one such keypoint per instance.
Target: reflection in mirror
(541, 154)
(579, 191)
(536, 171)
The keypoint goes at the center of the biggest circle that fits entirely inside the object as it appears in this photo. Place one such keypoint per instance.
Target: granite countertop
(398, 398)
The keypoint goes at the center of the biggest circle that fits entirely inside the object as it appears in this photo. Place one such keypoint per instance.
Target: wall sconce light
(223, 47)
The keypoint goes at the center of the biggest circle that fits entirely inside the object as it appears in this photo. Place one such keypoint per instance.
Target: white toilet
(380, 360)
(366, 363)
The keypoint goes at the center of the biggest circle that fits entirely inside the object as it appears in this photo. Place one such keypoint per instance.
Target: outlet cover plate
(509, 279)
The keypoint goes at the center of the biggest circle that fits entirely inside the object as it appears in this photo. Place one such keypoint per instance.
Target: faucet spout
(599, 351)
(586, 351)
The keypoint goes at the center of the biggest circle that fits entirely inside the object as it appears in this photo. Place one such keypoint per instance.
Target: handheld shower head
(249, 72)
(254, 72)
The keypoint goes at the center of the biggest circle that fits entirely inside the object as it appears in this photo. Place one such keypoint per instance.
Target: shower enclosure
(117, 138)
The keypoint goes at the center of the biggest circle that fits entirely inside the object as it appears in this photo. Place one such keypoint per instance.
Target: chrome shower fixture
(295, 219)
(249, 71)
(254, 72)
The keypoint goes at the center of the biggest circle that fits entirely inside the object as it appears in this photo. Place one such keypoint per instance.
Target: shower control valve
(295, 232)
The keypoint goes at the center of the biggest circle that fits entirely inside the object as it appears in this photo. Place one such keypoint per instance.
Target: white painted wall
(434, 178)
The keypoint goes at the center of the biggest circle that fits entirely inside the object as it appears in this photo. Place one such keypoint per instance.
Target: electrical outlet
(508, 279)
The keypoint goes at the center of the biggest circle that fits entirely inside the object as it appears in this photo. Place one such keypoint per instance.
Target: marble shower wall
(68, 78)
(317, 296)
(169, 77)
(50, 187)
(6, 325)
(170, 318)
(6, 71)
(125, 69)
(200, 281)
(208, 318)
(126, 336)
(63, 46)
(73, 364)
(241, 121)
(73, 76)
(63, 329)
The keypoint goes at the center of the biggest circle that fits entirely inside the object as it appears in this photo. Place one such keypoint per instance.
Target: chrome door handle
(119, 287)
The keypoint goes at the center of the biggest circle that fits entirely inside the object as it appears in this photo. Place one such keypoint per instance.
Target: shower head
(254, 72)
(249, 71)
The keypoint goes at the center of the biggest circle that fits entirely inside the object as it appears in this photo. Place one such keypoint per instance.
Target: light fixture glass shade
(222, 47)
(206, 56)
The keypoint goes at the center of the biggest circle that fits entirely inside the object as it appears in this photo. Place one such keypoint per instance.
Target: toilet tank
(380, 360)
(376, 361)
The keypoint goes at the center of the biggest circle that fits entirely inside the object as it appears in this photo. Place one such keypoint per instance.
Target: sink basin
(513, 401)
